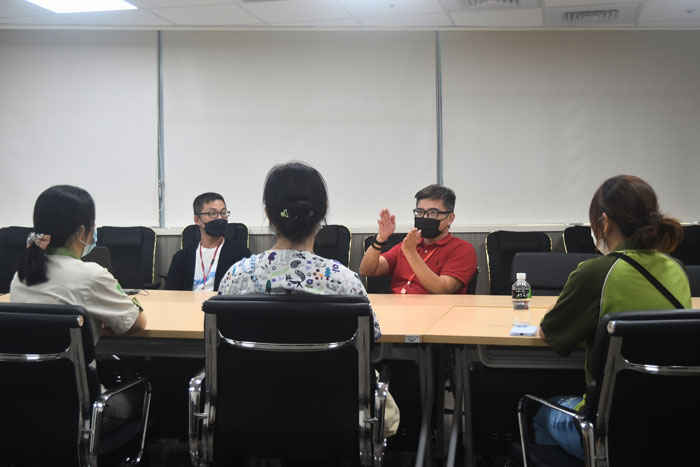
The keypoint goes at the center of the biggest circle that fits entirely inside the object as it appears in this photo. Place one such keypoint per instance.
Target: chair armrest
(98, 408)
(583, 424)
(196, 417)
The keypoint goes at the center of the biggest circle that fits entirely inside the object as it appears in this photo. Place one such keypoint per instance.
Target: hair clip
(284, 214)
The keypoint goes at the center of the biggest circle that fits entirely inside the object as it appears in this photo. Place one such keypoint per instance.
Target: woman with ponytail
(627, 227)
(296, 201)
(50, 269)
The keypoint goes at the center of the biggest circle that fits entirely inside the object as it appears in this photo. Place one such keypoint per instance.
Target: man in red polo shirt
(429, 260)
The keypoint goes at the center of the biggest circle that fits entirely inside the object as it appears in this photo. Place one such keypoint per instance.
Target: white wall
(533, 121)
(80, 108)
(360, 107)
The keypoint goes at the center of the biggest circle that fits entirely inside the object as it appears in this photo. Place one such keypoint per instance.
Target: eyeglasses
(429, 213)
(215, 214)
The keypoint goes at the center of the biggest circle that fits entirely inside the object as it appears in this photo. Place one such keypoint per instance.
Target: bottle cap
(520, 276)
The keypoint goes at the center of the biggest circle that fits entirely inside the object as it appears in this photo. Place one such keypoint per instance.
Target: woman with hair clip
(625, 219)
(50, 271)
(296, 201)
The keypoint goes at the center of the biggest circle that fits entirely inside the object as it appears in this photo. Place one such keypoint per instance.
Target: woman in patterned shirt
(296, 201)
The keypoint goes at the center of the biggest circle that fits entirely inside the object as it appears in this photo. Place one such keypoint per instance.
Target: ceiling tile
(41, 20)
(296, 10)
(371, 8)
(118, 18)
(20, 8)
(673, 10)
(500, 18)
(409, 21)
(208, 15)
(332, 23)
(148, 4)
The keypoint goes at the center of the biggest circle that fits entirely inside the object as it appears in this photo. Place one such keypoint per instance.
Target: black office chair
(54, 408)
(471, 287)
(133, 254)
(287, 377)
(234, 231)
(694, 279)
(13, 241)
(333, 241)
(642, 407)
(501, 246)
(547, 272)
(382, 284)
(688, 251)
(577, 239)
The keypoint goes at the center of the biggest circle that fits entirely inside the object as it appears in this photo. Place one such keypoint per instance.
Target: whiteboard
(79, 108)
(358, 106)
(534, 122)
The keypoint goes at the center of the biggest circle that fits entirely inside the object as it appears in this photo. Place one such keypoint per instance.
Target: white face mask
(600, 244)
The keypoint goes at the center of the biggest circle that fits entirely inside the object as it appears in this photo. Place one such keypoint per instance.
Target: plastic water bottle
(521, 301)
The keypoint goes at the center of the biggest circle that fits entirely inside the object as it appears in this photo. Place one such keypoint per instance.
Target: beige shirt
(73, 282)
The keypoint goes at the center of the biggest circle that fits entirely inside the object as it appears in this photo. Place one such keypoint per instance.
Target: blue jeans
(557, 428)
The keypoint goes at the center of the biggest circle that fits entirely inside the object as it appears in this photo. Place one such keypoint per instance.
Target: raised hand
(387, 225)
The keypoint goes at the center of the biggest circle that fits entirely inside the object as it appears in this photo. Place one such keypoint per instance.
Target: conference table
(175, 327)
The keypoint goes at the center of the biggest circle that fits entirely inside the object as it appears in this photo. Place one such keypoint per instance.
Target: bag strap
(654, 281)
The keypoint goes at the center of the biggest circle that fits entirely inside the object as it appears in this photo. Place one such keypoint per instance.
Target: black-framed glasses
(431, 213)
(215, 214)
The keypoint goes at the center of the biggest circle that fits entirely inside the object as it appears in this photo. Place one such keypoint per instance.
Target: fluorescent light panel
(82, 6)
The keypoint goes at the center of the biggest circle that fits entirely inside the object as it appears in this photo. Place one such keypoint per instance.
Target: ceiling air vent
(619, 14)
(589, 18)
(470, 5)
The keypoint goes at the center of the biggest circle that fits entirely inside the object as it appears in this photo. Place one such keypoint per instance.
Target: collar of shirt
(60, 251)
(432, 246)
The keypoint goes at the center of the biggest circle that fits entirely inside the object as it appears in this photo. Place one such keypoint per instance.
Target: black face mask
(216, 228)
(430, 228)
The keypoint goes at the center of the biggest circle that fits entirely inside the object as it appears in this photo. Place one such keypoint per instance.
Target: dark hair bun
(301, 211)
(296, 200)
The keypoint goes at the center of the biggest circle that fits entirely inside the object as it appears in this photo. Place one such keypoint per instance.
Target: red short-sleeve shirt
(452, 257)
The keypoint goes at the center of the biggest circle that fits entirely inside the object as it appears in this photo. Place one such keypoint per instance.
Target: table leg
(463, 365)
(456, 418)
(426, 382)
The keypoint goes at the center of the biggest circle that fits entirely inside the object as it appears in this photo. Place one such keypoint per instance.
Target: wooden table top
(455, 319)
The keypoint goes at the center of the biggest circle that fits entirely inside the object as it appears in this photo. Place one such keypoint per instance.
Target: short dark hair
(203, 199)
(440, 192)
(296, 199)
(632, 204)
(59, 211)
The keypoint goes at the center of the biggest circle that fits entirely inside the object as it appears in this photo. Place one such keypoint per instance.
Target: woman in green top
(624, 216)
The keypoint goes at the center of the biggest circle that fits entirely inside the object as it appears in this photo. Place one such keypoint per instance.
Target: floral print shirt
(292, 271)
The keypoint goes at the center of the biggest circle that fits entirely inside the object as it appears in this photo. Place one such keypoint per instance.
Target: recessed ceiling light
(82, 6)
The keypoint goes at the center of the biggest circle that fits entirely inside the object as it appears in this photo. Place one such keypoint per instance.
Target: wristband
(378, 242)
(378, 248)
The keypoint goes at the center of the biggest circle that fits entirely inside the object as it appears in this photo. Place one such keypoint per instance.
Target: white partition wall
(80, 108)
(358, 106)
(535, 121)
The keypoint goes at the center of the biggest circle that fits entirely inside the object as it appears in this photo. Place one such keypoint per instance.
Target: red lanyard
(201, 260)
(413, 276)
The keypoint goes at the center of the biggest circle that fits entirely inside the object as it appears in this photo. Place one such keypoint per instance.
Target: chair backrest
(47, 385)
(694, 279)
(501, 246)
(133, 253)
(644, 397)
(471, 287)
(234, 231)
(333, 241)
(382, 284)
(101, 256)
(287, 376)
(688, 250)
(547, 272)
(13, 241)
(577, 239)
